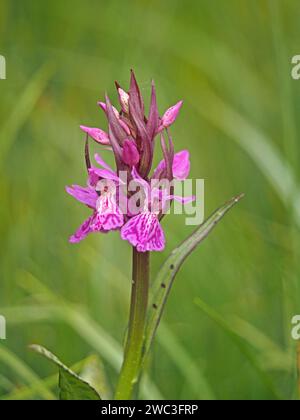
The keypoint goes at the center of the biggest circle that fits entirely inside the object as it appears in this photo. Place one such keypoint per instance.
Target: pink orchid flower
(100, 195)
(144, 230)
(131, 137)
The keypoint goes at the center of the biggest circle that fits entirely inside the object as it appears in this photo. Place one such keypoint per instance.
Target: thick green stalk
(129, 374)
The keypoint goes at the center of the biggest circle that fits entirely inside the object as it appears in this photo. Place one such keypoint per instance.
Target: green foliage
(71, 386)
(166, 275)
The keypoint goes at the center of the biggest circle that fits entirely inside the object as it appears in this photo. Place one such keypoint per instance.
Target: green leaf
(94, 373)
(71, 386)
(170, 268)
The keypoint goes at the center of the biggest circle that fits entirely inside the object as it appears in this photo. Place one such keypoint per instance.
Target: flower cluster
(131, 137)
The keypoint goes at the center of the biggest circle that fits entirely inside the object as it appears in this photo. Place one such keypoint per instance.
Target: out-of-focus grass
(230, 63)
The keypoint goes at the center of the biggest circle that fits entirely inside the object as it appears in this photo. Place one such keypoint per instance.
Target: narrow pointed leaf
(71, 386)
(164, 280)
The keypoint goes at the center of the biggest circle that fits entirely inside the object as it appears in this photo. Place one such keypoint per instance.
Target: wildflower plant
(133, 198)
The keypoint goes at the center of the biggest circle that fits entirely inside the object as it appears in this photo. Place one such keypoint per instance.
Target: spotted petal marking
(108, 215)
(82, 231)
(144, 232)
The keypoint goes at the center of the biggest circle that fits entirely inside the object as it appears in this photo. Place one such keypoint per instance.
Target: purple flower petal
(96, 134)
(144, 232)
(116, 113)
(180, 199)
(104, 174)
(104, 107)
(82, 231)
(108, 216)
(85, 195)
(101, 162)
(93, 178)
(181, 166)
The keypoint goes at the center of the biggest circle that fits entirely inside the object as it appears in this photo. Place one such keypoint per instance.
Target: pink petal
(108, 216)
(183, 200)
(181, 166)
(93, 178)
(124, 126)
(112, 221)
(130, 154)
(97, 134)
(82, 231)
(101, 162)
(170, 116)
(164, 197)
(104, 173)
(104, 107)
(144, 232)
(85, 195)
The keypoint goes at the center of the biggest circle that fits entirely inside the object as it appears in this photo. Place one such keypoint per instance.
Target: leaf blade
(170, 268)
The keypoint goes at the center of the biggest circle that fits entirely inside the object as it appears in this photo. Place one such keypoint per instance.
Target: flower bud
(130, 154)
(96, 134)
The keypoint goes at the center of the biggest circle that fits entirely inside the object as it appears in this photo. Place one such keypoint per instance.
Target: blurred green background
(230, 62)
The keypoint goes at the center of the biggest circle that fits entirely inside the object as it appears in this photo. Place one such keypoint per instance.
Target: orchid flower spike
(130, 134)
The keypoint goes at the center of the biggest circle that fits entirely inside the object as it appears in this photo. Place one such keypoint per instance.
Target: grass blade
(24, 372)
(24, 106)
(267, 157)
(71, 386)
(240, 344)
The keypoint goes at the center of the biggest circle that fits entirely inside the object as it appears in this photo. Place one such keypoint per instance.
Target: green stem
(129, 374)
